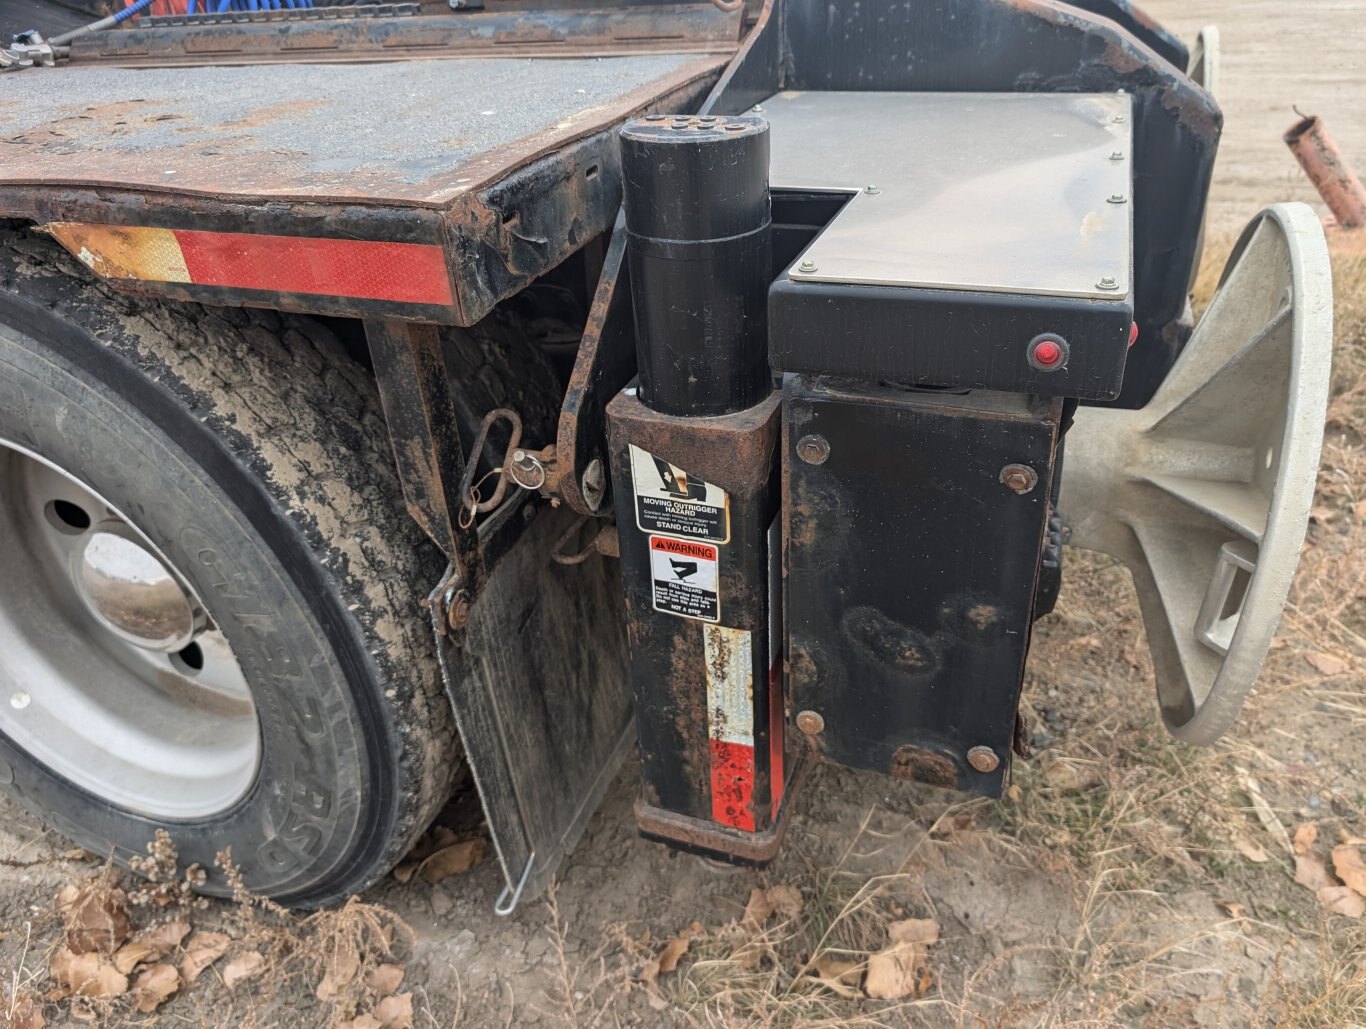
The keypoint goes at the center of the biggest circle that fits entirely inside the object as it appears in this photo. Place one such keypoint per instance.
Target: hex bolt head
(807, 266)
(813, 449)
(810, 723)
(1118, 198)
(1019, 477)
(1109, 282)
(1117, 155)
(983, 759)
(872, 190)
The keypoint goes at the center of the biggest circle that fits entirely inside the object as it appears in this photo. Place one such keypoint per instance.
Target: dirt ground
(1124, 879)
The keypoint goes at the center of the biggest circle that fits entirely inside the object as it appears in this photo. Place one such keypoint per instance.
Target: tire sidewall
(318, 800)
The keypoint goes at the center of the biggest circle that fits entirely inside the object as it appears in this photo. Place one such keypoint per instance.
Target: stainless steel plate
(988, 192)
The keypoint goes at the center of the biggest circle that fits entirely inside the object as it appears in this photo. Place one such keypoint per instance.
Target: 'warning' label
(684, 578)
(670, 500)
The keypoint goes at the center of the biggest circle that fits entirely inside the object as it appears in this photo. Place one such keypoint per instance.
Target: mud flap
(542, 699)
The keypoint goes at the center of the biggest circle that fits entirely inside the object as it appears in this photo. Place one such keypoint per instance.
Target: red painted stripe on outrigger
(732, 784)
(413, 273)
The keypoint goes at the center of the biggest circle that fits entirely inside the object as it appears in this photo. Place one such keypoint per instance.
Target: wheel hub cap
(134, 595)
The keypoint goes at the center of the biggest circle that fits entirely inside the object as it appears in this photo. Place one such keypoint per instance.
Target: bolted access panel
(915, 524)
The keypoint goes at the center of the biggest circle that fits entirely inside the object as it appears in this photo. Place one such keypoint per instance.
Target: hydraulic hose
(137, 7)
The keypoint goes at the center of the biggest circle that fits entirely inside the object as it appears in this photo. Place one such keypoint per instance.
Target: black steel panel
(936, 337)
(911, 572)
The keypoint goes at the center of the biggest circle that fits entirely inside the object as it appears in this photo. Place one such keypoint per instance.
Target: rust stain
(889, 642)
(275, 112)
(984, 616)
(920, 765)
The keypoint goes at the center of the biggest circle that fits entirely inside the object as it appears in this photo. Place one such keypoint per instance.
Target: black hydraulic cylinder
(697, 217)
(693, 451)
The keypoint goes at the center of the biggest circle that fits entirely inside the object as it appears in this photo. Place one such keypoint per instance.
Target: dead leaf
(154, 986)
(786, 900)
(341, 973)
(1349, 866)
(395, 1012)
(384, 979)
(1327, 664)
(365, 1021)
(919, 931)
(763, 904)
(668, 958)
(95, 916)
(1306, 833)
(87, 975)
(1310, 873)
(202, 950)
(1250, 850)
(27, 1013)
(840, 975)
(673, 953)
(1322, 515)
(242, 967)
(151, 945)
(757, 910)
(1231, 908)
(452, 860)
(437, 838)
(1342, 900)
(896, 972)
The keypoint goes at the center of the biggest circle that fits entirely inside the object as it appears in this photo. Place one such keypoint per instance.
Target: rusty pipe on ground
(1328, 170)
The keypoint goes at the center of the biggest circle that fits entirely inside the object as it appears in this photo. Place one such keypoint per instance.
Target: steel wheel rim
(113, 673)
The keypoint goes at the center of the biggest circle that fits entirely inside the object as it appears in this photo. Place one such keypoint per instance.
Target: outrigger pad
(542, 698)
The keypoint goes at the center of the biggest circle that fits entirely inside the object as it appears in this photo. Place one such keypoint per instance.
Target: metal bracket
(507, 900)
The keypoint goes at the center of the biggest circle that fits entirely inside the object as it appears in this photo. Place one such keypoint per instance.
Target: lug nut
(813, 449)
(810, 723)
(983, 759)
(1019, 477)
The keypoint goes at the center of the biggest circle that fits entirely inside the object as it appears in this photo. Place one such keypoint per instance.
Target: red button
(1133, 333)
(1047, 353)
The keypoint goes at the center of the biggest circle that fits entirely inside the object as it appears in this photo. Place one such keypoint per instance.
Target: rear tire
(252, 454)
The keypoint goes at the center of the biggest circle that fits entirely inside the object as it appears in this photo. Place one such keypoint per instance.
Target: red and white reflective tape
(729, 657)
(411, 273)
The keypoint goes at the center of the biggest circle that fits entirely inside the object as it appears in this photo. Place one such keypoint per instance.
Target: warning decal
(684, 578)
(670, 500)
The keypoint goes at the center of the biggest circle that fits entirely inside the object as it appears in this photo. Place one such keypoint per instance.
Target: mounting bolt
(810, 723)
(1117, 155)
(21, 700)
(1120, 119)
(1118, 198)
(813, 449)
(758, 108)
(1019, 477)
(872, 190)
(983, 759)
(1107, 283)
(807, 266)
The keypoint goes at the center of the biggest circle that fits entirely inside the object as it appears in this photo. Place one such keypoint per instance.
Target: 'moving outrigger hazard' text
(670, 500)
(684, 578)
